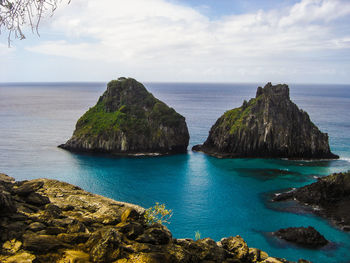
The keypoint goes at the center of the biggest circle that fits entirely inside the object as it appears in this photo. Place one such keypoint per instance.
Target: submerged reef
(267, 126)
(128, 120)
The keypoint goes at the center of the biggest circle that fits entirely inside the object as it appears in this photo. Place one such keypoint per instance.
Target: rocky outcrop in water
(46, 220)
(269, 125)
(129, 120)
(307, 237)
(329, 196)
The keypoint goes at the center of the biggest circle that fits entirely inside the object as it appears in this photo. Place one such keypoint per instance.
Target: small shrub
(197, 235)
(158, 214)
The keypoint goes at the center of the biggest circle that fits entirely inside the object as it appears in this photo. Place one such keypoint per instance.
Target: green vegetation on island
(268, 126)
(128, 119)
(235, 118)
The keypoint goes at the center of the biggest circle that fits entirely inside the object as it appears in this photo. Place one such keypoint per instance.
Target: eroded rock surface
(269, 125)
(330, 196)
(128, 120)
(73, 225)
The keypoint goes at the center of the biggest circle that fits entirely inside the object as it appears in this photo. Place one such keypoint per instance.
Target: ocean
(217, 197)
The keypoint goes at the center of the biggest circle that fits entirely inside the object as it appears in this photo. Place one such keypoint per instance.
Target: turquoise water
(218, 197)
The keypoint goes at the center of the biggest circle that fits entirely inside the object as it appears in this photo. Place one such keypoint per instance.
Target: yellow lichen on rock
(12, 246)
(146, 258)
(272, 260)
(24, 257)
(75, 256)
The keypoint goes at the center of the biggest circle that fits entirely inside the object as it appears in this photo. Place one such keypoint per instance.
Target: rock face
(71, 225)
(330, 195)
(269, 125)
(127, 119)
(307, 237)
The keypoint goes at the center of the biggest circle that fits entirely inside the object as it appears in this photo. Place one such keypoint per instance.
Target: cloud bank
(159, 40)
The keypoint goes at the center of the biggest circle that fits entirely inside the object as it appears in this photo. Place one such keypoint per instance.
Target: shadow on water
(290, 206)
(298, 172)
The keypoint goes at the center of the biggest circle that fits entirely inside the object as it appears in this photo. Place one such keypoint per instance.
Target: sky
(282, 41)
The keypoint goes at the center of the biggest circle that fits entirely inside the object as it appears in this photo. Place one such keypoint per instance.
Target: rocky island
(128, 120)
(267, 126)
(46, 220)
(329, 196)
(307, 237)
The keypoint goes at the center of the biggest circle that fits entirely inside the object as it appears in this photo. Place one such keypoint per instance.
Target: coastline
(29, 151)
(51, 221)
(328, 197)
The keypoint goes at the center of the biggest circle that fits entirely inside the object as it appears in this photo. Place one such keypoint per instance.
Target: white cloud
(309, 11)
(175, 40)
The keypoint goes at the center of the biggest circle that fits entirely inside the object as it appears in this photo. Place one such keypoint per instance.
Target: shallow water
(217, 197)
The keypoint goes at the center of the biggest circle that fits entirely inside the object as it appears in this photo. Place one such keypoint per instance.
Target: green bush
(158, 214)
(197, 235)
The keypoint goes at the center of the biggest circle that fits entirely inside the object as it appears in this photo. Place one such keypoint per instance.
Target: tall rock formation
(129, 120)
(269, 125)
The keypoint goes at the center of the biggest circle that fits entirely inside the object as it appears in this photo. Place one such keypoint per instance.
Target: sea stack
(268, 126)
(128, 120)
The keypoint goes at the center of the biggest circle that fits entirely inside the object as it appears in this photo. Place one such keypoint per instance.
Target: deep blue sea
(217, 197)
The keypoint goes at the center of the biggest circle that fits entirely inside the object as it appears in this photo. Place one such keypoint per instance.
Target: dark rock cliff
(330, 195)
(50, 221)
(127, 119)
(269, 125)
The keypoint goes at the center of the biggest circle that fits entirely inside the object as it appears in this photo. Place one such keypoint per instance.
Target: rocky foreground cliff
(269, 125)
(50, 221)
(329, 196)
(129, 120)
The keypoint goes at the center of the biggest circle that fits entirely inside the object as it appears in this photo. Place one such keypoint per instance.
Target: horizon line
(173, 82)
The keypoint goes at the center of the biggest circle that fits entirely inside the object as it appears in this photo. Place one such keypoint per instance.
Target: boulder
(36, 226)
(157, 234)
(28, 187)
(75, 256)
(37, 199)
(12, 246)
(306, 237)
(103, 245)
(130, 229)
(7, 204)
(236, 246)
(23, 257)
(6, 179)
(41, 243)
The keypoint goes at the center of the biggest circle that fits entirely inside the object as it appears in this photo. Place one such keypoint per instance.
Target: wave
(345, 159)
